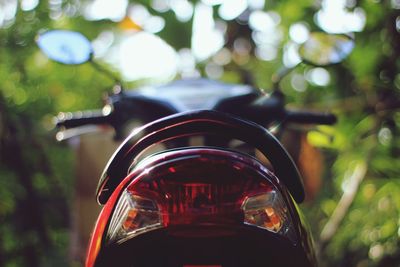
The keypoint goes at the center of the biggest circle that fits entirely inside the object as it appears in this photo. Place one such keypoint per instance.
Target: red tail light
(183, 191)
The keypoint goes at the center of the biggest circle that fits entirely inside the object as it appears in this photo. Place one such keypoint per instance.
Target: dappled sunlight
(27, 5)
(206, 38)
(298, 82)
(187, 64)
(318, 76)
(183, 9)
(140, 56)
(232, 9)
(266, 34)
(291, 55)
(334, 17)
(103, 9)
(299, 32)
(8, 10)
(141, 17)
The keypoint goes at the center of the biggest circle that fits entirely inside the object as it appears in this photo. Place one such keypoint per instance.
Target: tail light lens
(199, 188)
(268, 211)
(133, 215)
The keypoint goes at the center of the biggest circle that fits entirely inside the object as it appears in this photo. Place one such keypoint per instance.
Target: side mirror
(67, 47)
(323, 49)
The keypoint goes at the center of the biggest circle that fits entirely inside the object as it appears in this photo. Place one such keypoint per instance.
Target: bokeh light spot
(299, 32)
(318, 76)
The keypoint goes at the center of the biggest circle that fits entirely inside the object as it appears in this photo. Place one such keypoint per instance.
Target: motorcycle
(201, 183)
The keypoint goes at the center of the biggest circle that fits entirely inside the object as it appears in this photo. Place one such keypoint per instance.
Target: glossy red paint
(101, 224)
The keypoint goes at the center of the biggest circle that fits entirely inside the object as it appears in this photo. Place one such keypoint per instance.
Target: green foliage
(371, 226)
(37, 175)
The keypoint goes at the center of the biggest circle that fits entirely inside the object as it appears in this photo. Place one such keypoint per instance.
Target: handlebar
(80, 118)
(258, 108)
(268, 109)
(307, 117)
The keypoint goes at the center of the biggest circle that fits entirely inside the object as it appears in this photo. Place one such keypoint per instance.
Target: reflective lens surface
(269, 212)
(199, 189)
(132, 216)
(323, 49)
(65, 47)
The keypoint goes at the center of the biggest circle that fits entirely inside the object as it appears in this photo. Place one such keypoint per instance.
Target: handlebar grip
(311, 117)
(70, 120)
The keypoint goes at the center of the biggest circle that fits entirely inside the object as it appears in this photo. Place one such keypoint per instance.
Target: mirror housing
(322, 49)
(67, 47)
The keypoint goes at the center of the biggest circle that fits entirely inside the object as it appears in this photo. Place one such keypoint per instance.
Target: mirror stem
(108, 73)
(279, 75)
